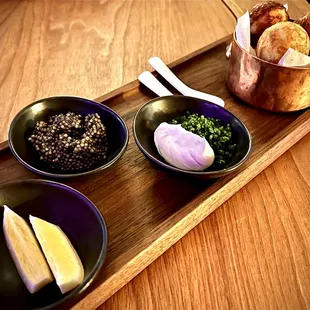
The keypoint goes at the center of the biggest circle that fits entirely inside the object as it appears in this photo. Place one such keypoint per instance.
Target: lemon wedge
(60, 254)
(25, 251)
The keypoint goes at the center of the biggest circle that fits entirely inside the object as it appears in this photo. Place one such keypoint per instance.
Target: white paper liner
(243, 33)
(293, 58)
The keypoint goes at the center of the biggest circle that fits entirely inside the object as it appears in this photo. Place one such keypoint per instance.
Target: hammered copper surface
(265, 85)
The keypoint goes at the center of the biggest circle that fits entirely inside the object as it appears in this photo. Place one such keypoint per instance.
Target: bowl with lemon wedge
(53, 242)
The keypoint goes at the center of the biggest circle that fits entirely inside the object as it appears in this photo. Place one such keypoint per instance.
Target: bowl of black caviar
(65, 137)
(191, 136)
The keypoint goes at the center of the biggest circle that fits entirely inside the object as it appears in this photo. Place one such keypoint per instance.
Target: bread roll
(277, 39)
(265, 14)
(304, 22)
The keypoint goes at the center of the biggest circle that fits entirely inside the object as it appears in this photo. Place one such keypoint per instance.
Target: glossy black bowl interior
(24, 122)
(164, 109)
(75, 215)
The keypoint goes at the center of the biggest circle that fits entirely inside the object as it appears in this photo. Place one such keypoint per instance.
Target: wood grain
(251, 253)
(89, 48)
(234, 8)
(237, 266)
(148, 210)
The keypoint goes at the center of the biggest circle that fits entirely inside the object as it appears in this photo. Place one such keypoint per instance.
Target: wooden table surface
(88, 48)
(253, 252)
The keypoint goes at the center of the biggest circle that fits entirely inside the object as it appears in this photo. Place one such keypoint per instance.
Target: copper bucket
(266, 85)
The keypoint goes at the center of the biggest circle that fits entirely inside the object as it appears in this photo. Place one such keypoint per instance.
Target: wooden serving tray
(146, 209)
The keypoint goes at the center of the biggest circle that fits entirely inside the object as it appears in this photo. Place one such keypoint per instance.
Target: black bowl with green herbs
(226, 134)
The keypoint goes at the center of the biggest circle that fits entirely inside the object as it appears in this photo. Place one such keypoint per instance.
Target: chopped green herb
(218, 135)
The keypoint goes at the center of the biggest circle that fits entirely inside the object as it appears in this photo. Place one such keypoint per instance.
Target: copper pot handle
(228, 50)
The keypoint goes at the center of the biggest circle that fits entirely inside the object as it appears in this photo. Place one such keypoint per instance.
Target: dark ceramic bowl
(75, 215)
(24, 122)
(164, 109)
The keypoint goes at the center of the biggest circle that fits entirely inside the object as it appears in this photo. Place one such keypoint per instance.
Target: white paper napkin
(293, 58)
(243, 33)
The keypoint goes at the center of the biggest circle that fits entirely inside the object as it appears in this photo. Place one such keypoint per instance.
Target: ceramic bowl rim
(198, 173)
(68, 175)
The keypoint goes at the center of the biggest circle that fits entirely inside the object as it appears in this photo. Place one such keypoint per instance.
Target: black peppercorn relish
(71, 143)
